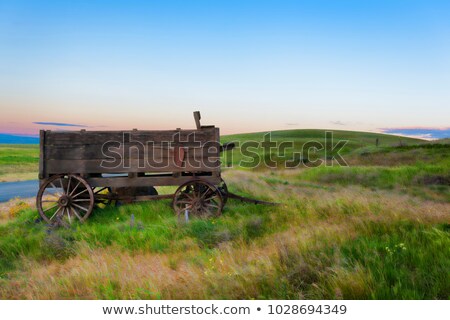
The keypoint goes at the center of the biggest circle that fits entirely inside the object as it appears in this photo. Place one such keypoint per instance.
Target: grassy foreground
(378, 229)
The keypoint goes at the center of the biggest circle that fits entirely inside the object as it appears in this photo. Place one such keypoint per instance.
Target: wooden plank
(100, 137)
(197, 118)
(217, 136)
(148, 181)
(41, 154)
(80, 152)
(131, 165)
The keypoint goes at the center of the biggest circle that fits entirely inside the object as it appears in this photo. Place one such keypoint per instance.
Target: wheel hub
(64, 201)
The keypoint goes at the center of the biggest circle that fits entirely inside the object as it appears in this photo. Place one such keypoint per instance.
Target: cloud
(339, 123)
(60, 124)
(291, 124)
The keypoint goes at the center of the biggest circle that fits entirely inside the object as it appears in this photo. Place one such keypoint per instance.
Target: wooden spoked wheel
(65, 198)
(197, 199)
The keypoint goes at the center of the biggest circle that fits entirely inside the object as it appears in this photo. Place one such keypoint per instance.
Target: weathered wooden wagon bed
(81, 170)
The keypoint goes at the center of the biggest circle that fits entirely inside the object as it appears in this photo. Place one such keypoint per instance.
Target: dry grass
(286, 255)
(11, 177)
(12, 208)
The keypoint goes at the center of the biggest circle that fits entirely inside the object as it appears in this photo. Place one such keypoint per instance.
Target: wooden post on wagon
(197, 118)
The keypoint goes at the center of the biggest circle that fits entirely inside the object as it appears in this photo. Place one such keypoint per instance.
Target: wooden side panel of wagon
(83, 169)
(150, 154)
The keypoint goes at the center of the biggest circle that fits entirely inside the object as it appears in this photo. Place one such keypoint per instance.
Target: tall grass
(319, 243)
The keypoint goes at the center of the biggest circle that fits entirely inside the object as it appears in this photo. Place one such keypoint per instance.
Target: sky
(246, 65)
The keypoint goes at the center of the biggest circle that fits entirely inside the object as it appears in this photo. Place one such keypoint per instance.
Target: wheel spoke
(184, 208)
(210, 204)
(68, 185)
(211, 197)
(61, 184)
(51, 207)
(49, 191)
(215, 203)
(75, 188)
(190, 196)
(204, 193)
(56, 192)
(55, 213)
(184, 201)
(81, 200)
(80, 207)
(73, 197)
(184, 204)
(76, 213)
(54, 198)
(68, 215)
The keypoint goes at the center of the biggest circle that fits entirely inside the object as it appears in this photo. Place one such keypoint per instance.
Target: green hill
(356, 138)
(289, 145)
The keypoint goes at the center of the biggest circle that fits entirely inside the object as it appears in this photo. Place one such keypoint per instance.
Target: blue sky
(247, 65)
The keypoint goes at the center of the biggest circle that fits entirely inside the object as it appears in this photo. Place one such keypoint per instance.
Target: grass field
(18, 162)
(378, 229)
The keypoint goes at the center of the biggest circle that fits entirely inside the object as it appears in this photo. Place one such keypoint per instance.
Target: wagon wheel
(197, 199)
(222, 186)
(100, 196)
(65, 197)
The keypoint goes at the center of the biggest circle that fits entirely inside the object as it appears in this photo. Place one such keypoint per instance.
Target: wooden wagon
(84, 169)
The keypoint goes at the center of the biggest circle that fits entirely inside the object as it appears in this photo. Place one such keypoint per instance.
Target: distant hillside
(6, 138)
(296, 139)
(299, 137)
(356, 138)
